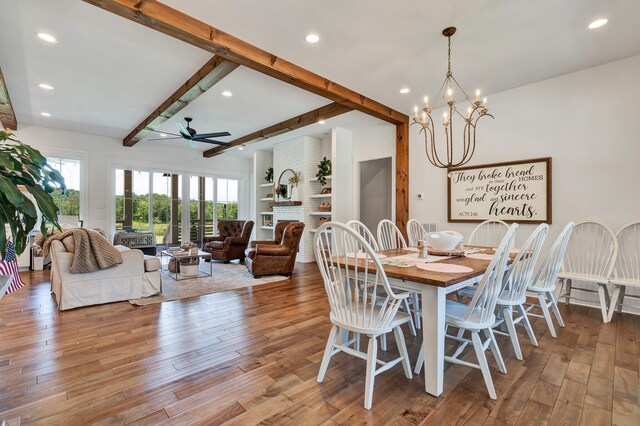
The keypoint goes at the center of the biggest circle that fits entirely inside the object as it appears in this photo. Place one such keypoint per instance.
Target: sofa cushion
(122, 248)
(151, 264)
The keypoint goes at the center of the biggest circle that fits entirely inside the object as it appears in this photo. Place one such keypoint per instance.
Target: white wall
(101, 154)
(586, 121)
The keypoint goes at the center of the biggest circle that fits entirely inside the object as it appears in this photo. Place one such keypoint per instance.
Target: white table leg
(433, 301)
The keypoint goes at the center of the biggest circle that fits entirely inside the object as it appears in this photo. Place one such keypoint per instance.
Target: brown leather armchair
(268, 258)
(231, 242)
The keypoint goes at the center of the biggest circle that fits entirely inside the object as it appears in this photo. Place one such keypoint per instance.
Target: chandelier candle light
(476, 110)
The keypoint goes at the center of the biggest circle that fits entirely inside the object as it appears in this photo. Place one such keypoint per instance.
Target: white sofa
(138, 276)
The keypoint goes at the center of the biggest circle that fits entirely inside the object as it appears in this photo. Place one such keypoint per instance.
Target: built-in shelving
(321, 196)
(267, 227)
(316, 179)
(266, 185)
(266, 199)
(320, 213)
(266, 213)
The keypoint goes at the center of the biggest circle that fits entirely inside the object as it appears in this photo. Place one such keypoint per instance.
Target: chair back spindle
(547, 274)
(628, 260)
(364, 232)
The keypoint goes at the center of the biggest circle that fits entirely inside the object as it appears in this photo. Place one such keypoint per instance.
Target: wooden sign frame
(548, 217)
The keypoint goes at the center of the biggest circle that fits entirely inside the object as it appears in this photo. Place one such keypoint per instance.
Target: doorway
(375, 191)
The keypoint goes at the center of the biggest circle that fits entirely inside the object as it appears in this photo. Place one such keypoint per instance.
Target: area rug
(225, 277)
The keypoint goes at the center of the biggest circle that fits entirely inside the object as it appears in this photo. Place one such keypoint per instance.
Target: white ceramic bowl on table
(444, 240)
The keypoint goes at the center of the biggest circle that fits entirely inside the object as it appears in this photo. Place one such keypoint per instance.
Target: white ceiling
(110, 73)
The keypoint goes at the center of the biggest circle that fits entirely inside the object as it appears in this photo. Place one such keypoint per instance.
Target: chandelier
(476, 110)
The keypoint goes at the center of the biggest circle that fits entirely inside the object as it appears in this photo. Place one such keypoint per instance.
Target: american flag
(9, 266)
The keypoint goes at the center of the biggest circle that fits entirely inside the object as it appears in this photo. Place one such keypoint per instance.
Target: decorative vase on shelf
(295, 193)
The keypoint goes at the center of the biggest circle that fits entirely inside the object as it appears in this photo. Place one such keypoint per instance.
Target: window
(227, 206)
(69, 204)
(132, 200)
(201, 207)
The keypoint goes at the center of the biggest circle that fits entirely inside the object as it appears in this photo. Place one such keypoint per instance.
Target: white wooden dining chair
(543, 284)
(358, 308)
(627, 270)
(590, 258)
(488, 234)
(479, 316)
(365, 233)
(415, 232)
(516, 282)
(389, 238)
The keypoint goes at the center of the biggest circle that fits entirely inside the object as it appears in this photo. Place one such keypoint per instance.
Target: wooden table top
(439, 279)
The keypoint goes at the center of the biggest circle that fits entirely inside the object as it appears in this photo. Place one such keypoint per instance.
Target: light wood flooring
(251, 356)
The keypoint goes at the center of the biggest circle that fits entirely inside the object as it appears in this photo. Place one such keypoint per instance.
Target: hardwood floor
(252, 355)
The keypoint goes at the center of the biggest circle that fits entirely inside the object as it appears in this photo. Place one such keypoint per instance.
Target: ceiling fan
(191, 136)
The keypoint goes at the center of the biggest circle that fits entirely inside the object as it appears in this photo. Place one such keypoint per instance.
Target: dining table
(433, 287)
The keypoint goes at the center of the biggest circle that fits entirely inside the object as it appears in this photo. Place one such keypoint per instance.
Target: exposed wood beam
(302, 120)
(402, 176)
(161, 17)
(7, 115)
(212, 72)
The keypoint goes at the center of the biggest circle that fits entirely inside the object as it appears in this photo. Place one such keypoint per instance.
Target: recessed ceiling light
(163, 135)
(241, 147)
(598, 23)
(405, 90)
(47, 37)
(312, 38)
(321, 121)
(45, 114)
(227, 93)
(46, 86)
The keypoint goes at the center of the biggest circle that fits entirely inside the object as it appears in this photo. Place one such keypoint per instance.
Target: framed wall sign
(516, 191)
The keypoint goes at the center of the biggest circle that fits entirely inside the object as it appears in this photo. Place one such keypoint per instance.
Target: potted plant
(23, 168)
(269, 175)
(324, 170)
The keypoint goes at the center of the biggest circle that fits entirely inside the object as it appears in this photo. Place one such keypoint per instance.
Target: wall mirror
(283, 187)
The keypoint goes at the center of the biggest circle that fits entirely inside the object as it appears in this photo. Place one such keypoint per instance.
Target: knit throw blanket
(92, 251)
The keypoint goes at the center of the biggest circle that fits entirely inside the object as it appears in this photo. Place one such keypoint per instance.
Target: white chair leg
(482, 361)
(542, 298)
(567, 298)
(372, 356)
(358, 342)
(419, 361)
(493, 344)
(614, 302)
(554, 308)
(412, 326)
(402, 348)
(623, 290)
(603, 296)
(383, 342)
(527, 325)
(416, 310)
(508, 319)
(333, 335)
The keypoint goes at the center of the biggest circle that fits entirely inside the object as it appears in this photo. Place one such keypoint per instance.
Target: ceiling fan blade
(183, 130)
(212, 135)
(166, 133)
(165, 139)
(191, 143)
(211, 141)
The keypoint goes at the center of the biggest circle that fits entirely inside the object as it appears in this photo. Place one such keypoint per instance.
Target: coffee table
(181, 255)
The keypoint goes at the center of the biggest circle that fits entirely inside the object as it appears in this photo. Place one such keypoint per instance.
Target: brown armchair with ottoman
(275, 257)
(231, 242)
